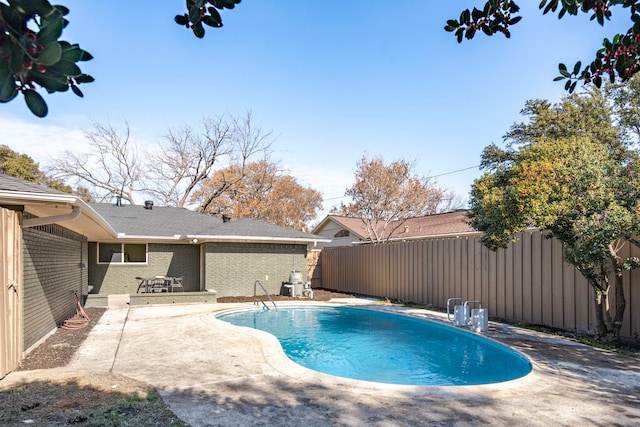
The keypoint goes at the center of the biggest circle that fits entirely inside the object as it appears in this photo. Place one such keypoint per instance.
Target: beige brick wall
(233, 268)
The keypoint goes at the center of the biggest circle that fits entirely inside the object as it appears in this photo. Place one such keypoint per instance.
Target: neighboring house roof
(53, 206)
(137, 222)
(444, 224)
(429, 226)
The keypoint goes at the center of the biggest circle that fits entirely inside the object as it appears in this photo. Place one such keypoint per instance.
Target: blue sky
(332, 80)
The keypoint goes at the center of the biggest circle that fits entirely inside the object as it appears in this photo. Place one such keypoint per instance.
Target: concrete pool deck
(211, 373)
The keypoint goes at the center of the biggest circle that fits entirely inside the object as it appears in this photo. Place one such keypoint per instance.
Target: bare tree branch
(189, 158)
(112, 167)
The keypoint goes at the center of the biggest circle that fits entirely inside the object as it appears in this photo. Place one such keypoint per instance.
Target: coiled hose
(79, 320)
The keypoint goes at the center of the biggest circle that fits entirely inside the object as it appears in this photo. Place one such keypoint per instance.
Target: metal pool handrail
(255, 295)
(448, 304)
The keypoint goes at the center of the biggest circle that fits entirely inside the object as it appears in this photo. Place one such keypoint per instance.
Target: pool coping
(279, 361)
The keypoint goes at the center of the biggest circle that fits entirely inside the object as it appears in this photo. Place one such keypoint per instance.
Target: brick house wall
(54, 268)
(162, 260)
(233, 268)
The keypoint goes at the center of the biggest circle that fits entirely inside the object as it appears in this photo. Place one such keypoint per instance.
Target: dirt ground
(318, 295)
(94, 400)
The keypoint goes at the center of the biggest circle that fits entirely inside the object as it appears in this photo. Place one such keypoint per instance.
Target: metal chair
(177, 283)
(142, 284)
(160, 284)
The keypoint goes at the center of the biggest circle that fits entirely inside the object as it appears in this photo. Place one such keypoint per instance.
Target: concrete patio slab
(211, 373)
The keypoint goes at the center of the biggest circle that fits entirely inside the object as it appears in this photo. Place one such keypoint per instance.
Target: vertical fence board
(501, 270)
(546, 288)
(536, 278)
(509, 284)
(477, 272)
(526, 278)
(557, 269)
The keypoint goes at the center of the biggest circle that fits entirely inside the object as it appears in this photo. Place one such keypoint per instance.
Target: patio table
(158, 284)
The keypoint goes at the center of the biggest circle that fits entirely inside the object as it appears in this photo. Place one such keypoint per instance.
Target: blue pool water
(376, 346)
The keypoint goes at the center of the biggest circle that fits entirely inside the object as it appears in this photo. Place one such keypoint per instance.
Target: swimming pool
(371, 345)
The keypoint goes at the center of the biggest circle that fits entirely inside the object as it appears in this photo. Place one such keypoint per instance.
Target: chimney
(226, 218)
(148, 204)
(118, 201)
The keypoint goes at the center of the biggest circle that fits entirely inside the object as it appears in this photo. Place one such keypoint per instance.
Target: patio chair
(142, 284)
(177, 283)
(160, 284)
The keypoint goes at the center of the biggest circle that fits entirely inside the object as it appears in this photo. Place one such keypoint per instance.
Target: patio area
(213, 373)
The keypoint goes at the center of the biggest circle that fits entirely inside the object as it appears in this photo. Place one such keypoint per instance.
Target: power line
(456, 171)
(432, 176)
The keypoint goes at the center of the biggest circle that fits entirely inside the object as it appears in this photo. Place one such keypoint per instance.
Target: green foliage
(19, 165)
(32, 56)
(199, 14)
(583, 188)
(24, 167)
(618, 58)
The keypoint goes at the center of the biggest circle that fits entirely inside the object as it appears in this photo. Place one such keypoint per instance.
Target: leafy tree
(19, 165)
(32, 54)
(24, 167)
(385, 196)
(618, 57)
(261, 191)
(199, 12)
(582, 185)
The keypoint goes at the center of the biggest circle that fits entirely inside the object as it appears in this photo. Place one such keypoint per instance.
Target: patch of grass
(130, 411)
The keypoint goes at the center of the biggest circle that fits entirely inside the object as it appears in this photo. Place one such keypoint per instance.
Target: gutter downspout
(34, 222)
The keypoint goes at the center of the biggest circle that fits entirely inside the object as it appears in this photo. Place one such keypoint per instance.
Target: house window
(341, 233)
(122, 253)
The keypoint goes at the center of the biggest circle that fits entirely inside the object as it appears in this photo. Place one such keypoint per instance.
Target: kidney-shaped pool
(371, 345)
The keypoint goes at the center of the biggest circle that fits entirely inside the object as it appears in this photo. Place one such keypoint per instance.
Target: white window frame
(123, 262)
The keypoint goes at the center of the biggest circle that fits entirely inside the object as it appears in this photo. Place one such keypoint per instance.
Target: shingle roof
(433, 225)
(424, 226)
(250, 227)
(135, 220)
(161, 221)
(10, 183)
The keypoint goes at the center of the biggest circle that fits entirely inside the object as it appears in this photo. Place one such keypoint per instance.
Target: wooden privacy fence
(10, 291)
(527, 282)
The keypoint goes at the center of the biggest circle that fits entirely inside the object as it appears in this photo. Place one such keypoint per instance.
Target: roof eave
(29, 198)
(430, 237)
(255, 239)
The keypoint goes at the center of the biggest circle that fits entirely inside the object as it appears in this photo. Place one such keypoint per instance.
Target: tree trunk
(621, 303)
(601, 310)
